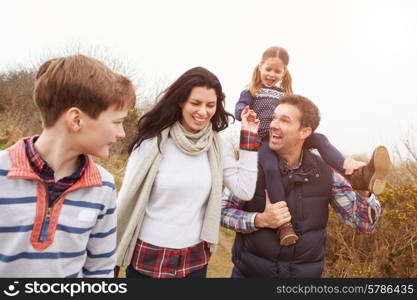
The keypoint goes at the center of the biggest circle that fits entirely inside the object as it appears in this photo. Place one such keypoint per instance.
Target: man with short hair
(310, 185)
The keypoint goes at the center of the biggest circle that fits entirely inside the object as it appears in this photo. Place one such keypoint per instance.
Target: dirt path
(220, 265)
(226, 242)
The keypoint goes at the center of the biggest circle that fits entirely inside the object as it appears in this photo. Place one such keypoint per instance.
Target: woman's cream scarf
(135, 192)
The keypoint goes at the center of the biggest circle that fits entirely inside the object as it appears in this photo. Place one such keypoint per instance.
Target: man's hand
(274, 215)
(249, 120)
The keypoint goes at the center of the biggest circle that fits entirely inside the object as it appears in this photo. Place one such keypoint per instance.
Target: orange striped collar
(20, 167)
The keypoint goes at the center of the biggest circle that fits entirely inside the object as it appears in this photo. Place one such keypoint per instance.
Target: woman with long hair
(169, 203)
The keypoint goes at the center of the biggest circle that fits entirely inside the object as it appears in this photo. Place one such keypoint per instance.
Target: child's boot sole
(382, 165)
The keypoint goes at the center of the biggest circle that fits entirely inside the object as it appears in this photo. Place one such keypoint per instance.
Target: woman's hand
(351, 165)
(249, 120)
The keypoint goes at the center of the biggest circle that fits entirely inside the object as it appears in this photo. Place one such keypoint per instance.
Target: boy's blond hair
(79, 81)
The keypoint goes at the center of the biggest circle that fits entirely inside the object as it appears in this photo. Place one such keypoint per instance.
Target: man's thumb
(267, 199)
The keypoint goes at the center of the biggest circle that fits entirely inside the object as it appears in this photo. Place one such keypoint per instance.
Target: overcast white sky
(356, 59)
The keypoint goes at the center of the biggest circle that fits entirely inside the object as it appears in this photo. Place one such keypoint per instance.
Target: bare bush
(390, 252)
(404, 171)
(18, 115)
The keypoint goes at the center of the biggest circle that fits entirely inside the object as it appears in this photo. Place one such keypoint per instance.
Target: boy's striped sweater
(75, 238)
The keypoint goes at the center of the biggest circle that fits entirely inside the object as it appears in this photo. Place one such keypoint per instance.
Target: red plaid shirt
(160, 262)
(249, 141)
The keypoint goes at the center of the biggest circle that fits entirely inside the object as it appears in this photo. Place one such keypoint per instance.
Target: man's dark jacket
(308, 191)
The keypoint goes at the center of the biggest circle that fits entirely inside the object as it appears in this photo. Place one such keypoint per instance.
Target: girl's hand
(249, 120)
(351, 165)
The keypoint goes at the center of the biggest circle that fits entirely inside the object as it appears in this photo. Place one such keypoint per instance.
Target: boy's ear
(73, 119)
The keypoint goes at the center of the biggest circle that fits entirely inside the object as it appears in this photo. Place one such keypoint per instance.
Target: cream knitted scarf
(135, 192)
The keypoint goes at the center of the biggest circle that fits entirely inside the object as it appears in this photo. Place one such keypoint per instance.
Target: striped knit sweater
(75, 238)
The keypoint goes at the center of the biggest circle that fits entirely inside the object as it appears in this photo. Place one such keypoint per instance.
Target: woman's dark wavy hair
(167, 111)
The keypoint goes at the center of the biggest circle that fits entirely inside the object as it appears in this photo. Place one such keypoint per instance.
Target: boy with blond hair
(57, 207)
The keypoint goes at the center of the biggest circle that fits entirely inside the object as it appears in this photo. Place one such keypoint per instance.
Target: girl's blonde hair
(286, 82)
